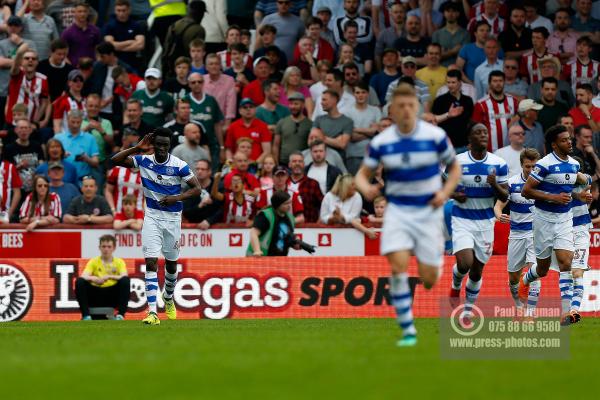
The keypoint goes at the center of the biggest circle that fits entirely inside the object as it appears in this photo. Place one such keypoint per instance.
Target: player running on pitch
(520, 240)
(484, 177)
(582, 223)
(550, 184)
(411, 153)
(162, 176)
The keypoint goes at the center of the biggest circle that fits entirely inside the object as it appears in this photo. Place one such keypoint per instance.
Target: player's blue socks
(402, 302)
(565, 284)
(471, 292)
(457, 278)
(577, 293)
(514, 292)
(531, 275)
(170, 281)
(533, 297)
(151, 289)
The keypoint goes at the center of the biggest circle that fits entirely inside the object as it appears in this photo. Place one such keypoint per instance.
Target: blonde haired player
(520, 241)
(411, 152)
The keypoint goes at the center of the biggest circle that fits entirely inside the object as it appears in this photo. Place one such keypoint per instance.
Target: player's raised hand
(439, 199)
(562, 198)
(146, 143)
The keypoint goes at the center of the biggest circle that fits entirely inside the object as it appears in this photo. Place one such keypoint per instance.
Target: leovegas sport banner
(292, 287)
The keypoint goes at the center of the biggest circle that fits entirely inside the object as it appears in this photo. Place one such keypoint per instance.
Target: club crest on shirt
(491, 170)
(170, 171)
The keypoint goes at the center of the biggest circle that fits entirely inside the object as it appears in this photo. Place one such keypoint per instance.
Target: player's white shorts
(482, 242)
(520, 252)
(581, 252)
(549, 236)
(161, 237)
(416, 229)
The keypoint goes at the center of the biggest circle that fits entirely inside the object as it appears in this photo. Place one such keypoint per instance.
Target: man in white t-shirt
(366, 124)
(512, 153)
(320, 170)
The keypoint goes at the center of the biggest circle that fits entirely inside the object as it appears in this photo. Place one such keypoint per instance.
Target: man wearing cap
(39, 27)
(156, 104)
(409, 69)
(71, 99)
(270, 111)
(254, 90)
(550, 67)
(82, 36)
(534, 133)
(191, 151)
(8, 50)
(251, 127)
(381, 80)
(206, 110)
(280, 184)
(65, 190)
(291, 132)
(272, 228)
(451, 36)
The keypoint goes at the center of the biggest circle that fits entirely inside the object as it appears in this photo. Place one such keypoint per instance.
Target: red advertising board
(294, 287)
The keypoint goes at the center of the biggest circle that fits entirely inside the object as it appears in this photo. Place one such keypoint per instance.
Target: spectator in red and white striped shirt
(491, 15)
(29, 87)
(239, 207)
(40, 208)
(10, 189)
(496, 111)
(529, 61)
(122, 182)
(583, 69)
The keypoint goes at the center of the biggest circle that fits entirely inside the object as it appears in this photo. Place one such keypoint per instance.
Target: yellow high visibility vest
(164, 8)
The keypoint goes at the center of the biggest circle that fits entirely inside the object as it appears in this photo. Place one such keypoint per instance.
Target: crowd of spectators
(274, 95)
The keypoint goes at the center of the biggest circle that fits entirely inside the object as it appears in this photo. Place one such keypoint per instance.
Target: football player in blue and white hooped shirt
(411, 153)
(162, 176)
(582, 223)
(520, 240)
(484, 178)
(550, 184)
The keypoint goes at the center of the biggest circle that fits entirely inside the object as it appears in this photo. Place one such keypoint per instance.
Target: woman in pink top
(292, 82)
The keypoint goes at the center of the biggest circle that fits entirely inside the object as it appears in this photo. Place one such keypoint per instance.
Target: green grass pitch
(271, 359)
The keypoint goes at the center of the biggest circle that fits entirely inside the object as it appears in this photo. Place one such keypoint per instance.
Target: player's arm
(194, 191)
(454, 173)
(530, 191)
(123, 158)
(583, 179)
(500, 216)
(363, 183)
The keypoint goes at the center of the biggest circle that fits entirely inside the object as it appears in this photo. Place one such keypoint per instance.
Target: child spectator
(178, 87)
(266, 172)
(197, 53)
(40, 208)
(130, 217)
(372, 219)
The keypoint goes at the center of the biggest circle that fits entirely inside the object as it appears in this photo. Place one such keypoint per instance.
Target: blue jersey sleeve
(373, 156)
(539, 172)
(502, 174)
(137, 159)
